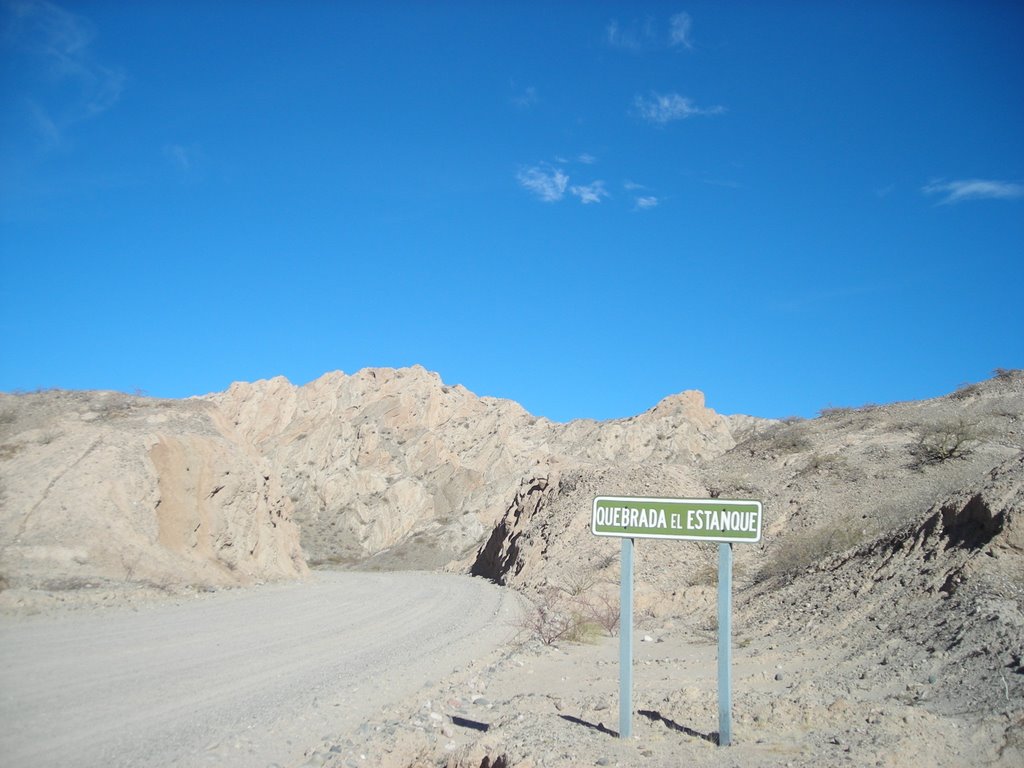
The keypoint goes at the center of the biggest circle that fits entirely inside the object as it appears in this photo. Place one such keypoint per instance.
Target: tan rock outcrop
(376, 460)
(390, 466)
(103, 487)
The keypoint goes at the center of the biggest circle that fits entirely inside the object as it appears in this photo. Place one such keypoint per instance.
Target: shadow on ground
(650, 714)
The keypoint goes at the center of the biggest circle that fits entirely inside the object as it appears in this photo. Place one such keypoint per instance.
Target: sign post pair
(724, 521)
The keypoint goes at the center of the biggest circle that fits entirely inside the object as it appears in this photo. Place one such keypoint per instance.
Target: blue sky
(583, 207)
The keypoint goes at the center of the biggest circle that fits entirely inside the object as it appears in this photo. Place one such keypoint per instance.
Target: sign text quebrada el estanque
(723, 520)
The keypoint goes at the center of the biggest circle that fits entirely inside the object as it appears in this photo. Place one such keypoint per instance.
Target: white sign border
(683, 537)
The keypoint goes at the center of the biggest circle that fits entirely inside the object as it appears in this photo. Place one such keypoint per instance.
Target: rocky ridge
(101, 488)
(828, 484)
(384, 468)
(396, 466)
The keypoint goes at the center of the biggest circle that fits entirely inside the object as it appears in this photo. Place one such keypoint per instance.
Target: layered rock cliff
(396, 461)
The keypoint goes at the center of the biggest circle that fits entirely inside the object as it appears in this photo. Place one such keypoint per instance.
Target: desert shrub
(799, 550)
(835, 464)
(834, 411)
(941, 442)
(703, 567)
(578, 583)
(966, 390)
(550, 618)
(10, 450)
(824, 461)
(733, 485)
(602, 610)
(583, 630)
(607, 561)
(789, 440)
(113, 406)
(49, 436)
(575, 613)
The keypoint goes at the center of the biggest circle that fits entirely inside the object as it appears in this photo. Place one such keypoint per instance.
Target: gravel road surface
(240, 678)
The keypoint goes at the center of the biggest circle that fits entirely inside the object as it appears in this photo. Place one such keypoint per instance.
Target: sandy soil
(236, 678)
(796, 703)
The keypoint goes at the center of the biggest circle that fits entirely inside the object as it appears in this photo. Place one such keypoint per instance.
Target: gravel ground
(236, 678)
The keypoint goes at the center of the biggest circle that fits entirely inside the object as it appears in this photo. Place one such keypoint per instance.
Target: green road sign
(722, 520)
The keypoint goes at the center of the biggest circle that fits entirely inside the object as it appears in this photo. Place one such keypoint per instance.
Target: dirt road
(242, 678)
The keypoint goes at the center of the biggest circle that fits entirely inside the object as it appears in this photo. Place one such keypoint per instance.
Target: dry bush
(800, 550)
(602, 610)
(550, 619)
(49, 436)
(789, 440)
(578, 583)
(834, 464)
(572, 613)
(941, 442)
(733, 486)
(607, 561)
(965, 391)
(824, 462)
(834, 411)
(703, 568)
(10, 450)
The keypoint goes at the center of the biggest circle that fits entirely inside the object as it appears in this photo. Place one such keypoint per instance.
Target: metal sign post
(720, 520)
(626, 642)
(724, 644)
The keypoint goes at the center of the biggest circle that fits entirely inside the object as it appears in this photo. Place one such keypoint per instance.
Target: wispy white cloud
(186, 161)
(180, 156)
(550, 184)
(679, 30)
(645, 202)
(587, 159)
(632, 186)
(633, 36)
(47, 129)
(60, 42)
(590, 193)
(647, 34)
(545, 182)
(973, 189)
(662, 109)
(524, 98)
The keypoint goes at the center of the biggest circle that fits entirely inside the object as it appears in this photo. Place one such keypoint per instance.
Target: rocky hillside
(396, 466)
(393, 468)
(101, 487)
(385, 468)
(937, 602)
(887, 594)
(827, 484)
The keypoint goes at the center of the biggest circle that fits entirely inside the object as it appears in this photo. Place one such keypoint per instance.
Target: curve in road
(242, 678)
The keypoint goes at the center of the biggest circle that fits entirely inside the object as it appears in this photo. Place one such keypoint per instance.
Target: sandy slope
(240, 678)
